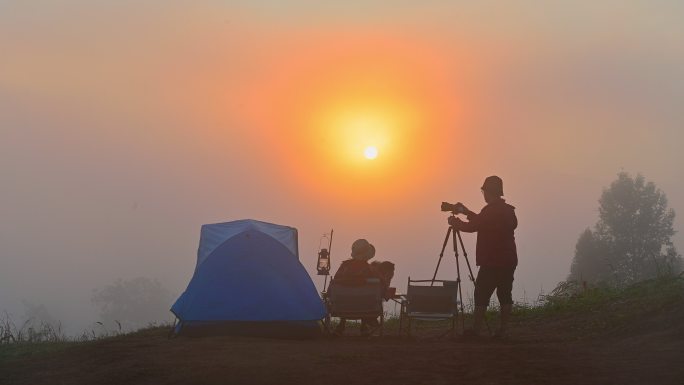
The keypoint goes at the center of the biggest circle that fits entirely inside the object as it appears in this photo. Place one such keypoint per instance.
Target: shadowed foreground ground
(627, 338)
(532, 357)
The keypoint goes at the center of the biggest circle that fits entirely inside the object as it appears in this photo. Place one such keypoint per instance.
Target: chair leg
(382, 323)
(326, 323)
(401, 319)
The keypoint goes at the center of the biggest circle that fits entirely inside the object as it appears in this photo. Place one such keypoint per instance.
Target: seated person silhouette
(358, 268)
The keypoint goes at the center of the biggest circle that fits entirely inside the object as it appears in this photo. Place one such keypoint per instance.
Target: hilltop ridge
(594, 336)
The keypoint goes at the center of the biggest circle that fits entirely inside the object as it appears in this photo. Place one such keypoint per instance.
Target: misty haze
(127, 127)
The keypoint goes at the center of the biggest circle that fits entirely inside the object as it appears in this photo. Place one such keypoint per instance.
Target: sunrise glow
(364, 130)
(371, 152)
(385, 99)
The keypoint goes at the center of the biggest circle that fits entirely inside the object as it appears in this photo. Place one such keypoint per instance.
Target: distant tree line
(632, 240)
(133, 304)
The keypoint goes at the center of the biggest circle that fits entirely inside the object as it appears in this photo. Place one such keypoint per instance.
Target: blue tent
(248, 280)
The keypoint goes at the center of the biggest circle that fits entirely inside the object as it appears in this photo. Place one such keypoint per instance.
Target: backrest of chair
(355, 297)
(432, 299)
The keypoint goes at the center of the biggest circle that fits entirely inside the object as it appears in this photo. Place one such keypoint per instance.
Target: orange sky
(319, 111)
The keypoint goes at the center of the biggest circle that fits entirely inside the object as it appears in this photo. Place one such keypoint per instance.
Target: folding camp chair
(438, 301)
(355, 299)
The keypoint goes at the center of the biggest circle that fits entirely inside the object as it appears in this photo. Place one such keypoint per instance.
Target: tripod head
(454, 221)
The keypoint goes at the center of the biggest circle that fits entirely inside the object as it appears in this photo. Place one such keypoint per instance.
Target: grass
(601, 308)
(29, 331)
(39, 337)
(568, 297)
(19, 350)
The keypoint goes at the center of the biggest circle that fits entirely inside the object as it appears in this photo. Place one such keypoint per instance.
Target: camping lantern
(323, 265)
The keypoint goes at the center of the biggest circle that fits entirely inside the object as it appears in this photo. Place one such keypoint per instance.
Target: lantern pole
(325, 283)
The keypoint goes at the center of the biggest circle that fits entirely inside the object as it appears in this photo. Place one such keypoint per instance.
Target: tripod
(454, 233)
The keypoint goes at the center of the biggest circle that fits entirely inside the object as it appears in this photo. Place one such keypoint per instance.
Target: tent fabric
(248, 271)
(212, 236)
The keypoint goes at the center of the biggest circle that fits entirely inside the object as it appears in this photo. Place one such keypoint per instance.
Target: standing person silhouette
(495, 253)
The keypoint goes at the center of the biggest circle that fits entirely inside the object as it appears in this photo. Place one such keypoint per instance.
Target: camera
(457, 208)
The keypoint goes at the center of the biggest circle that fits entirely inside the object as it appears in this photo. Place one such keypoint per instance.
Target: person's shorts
(491, 278)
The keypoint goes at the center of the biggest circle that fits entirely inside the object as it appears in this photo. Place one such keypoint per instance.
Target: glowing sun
(371, 152)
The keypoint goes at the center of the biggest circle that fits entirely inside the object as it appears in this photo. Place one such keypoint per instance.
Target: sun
(371, 152)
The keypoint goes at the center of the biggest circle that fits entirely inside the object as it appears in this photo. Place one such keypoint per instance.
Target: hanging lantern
(323, 265)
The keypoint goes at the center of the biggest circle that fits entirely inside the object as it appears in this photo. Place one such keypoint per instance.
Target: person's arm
(514, 221)
(469, 227)
(469, 213)
(473, 220)
(476, 222)
(472, 226)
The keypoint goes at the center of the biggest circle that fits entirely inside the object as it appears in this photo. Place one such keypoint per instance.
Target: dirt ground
(536, 353)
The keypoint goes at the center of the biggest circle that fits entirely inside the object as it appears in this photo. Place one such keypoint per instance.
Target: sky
(127, 125)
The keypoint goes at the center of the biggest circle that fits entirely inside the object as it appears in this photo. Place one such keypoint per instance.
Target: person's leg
(364, 327)
(368, 326)
(505, 317)
(484, 288)
(340, 326)
(478, 315)
(504, 293)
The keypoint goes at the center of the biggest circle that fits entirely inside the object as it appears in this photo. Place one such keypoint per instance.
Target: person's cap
(362, 250)
(493, 184)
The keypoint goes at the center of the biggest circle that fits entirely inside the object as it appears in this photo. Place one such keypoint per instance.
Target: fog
(125, 127)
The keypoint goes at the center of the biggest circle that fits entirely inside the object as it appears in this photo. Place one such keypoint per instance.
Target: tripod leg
(465, 255)
(458, 274)
(441, 254)
(458, 281)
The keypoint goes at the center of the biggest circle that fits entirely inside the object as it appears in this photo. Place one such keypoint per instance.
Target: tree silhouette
(632, 240)
(133, 303)
(591, 261)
